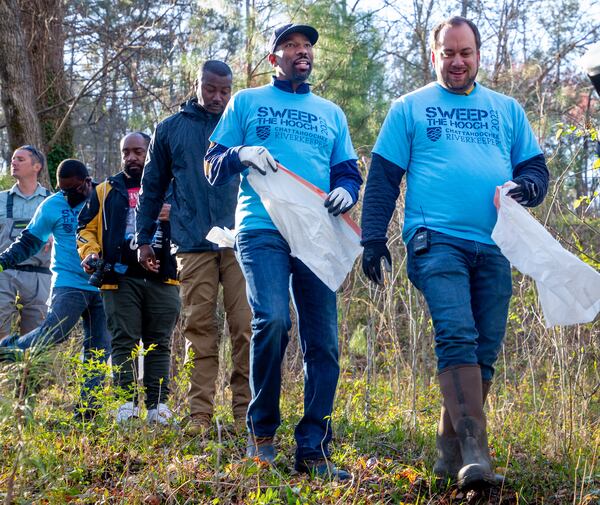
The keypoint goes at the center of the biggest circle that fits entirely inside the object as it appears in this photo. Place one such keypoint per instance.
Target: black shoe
(84, 414)
(323, 469)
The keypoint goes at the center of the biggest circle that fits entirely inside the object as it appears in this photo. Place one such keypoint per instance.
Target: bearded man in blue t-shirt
(456, 141)
(309, 135)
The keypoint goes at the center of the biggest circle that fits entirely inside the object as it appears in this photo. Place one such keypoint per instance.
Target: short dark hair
(454, 21)
(35, 153)
(216, 67)
(72, 168)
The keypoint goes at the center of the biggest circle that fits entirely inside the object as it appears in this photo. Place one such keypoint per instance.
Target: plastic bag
(223, 237)
(326, 244)
(568, 288)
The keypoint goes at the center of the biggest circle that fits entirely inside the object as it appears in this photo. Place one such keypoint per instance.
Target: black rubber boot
(462, 390)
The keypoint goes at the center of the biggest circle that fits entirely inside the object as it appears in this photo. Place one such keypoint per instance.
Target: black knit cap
(72, 168)
(281, 32)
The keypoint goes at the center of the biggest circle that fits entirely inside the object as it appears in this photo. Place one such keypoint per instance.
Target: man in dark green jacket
(140, 303)
(175, 156)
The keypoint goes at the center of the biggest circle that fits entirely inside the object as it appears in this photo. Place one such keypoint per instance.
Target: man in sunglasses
(72, 296)
(24, 290)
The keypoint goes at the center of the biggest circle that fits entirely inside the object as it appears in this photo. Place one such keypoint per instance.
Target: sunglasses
(77, 189)
(34, 152)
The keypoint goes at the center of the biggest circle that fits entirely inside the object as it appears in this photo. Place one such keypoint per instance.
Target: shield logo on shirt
(434, 133)
(262, 132)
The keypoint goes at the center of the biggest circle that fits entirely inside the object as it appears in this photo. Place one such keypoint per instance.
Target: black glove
(524, 193)
(373, 253)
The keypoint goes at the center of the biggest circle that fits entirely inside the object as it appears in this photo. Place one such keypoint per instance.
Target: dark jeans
(268, 267)
(67, 305)
(467, 286)
(147, 310)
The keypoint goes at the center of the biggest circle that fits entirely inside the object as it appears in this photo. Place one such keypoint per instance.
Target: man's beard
(135, 174)
(468, 84)
(301, 76)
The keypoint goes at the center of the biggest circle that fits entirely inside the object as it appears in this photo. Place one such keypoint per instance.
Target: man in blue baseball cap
(309, 135)
(282, 33)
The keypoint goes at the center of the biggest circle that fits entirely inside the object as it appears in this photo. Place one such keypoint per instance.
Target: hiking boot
(261, 448)
(463, 397)
(126, 412)
(161, 414)
(198, 425)
(322, 468)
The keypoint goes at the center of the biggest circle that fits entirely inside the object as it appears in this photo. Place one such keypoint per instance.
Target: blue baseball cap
(281, 32)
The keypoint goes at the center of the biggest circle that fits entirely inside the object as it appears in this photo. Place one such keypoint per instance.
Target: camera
(100, 267)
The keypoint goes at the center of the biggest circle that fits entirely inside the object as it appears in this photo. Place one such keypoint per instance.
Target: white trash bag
(568, 288)
(326, 244)
(223, 237)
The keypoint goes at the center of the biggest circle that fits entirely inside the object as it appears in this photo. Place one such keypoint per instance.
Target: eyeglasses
(77, 189)
(34, 152)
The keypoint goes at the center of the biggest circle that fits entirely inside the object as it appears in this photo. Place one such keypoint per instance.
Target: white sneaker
(161, 415)
(125, 412)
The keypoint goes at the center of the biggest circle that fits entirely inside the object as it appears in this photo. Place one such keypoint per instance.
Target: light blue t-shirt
(455, 149)
(304, 132)
(56, 217)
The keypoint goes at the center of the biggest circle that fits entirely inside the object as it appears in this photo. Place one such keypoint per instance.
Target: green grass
(546, 440)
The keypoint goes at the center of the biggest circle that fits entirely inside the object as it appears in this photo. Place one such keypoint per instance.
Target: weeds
(543, 418)
(544, 433)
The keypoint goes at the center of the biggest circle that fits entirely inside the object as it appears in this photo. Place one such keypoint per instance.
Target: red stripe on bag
(322, 194)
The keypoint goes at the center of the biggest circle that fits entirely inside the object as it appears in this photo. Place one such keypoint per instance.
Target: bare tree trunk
(422, 19)
(17, 90)
(42, 23)
(464, 8)
(249, 40)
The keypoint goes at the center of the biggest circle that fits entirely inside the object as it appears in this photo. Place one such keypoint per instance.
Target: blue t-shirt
(455, 149)
(304, 132)
(56, 217)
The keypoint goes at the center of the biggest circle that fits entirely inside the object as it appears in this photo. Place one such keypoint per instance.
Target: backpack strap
(10, 201)
(9, 205)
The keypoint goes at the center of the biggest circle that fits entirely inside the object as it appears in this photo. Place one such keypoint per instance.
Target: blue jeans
(67, 305)
(269, 270)
(467, 286)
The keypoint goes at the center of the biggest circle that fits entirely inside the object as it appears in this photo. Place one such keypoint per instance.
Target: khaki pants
(200, 275)
(33, 289)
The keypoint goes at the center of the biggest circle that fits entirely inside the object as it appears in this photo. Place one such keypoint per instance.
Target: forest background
(75, 75)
